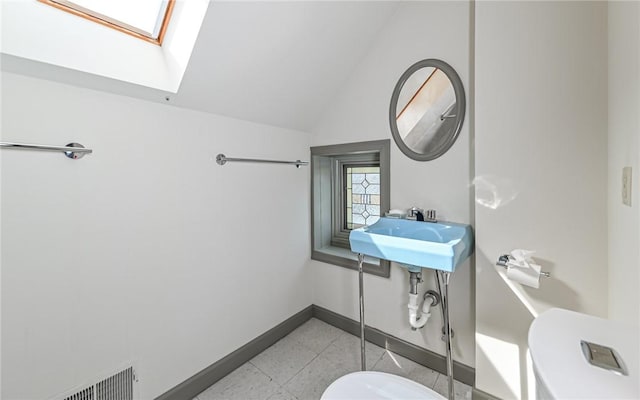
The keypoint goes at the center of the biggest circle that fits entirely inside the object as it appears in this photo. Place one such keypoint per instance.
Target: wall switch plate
(626, 186)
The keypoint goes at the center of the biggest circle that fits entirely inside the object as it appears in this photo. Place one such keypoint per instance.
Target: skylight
(79, 44)
(145, 19)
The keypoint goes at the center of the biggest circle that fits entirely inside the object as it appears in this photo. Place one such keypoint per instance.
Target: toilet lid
(377, 385)
(560, 365)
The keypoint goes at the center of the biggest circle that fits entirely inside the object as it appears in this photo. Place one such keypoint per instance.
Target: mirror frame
(458, 89)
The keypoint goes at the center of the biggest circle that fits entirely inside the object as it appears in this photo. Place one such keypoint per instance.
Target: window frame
(326, 163)
(113, 23)
(339, 232)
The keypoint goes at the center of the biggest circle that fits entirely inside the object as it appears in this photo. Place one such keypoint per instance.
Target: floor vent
(116, 387)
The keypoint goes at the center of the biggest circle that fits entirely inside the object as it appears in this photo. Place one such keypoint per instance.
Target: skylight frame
(113, 23)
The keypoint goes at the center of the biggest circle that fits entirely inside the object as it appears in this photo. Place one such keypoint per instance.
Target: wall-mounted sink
(415, 244)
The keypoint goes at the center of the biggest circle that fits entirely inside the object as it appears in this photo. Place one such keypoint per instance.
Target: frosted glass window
(362, 195)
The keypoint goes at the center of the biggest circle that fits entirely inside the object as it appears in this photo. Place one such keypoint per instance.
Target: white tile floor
(302, 364)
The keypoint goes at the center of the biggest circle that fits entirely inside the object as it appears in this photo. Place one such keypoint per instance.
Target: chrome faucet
(417, 213)
(420, 215)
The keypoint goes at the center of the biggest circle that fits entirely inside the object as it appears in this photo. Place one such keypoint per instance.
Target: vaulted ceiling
(277, 63)
(270, 62)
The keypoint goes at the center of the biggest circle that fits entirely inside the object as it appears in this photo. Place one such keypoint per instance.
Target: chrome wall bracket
(75, 154)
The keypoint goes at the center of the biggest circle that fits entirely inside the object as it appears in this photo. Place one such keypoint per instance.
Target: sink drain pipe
(430, 299)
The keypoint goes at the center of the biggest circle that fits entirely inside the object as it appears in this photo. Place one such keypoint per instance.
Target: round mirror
(427, 109)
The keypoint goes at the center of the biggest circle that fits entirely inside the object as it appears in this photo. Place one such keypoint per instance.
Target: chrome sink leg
(361, 292)
(444, 276)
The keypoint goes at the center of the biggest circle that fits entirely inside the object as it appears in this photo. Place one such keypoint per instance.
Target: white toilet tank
(561, 367)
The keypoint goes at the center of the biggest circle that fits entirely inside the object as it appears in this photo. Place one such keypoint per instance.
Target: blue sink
(415, 244)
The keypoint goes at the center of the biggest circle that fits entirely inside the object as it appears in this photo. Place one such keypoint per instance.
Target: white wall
(541, 134)
(417, 31)
(145, 250)
(624, 147)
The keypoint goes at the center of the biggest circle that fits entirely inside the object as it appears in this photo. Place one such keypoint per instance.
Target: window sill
(348, 259)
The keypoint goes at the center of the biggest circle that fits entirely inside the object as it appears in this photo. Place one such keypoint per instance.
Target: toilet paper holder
(504, 259)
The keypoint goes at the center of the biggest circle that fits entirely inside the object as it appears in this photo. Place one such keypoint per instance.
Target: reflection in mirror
(427, 109)
(425, 102)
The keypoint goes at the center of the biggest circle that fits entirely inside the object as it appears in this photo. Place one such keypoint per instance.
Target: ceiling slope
(270, 62)
(278, 63)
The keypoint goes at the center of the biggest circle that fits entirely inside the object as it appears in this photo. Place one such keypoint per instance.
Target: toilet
(372, 385)
(560, 365)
